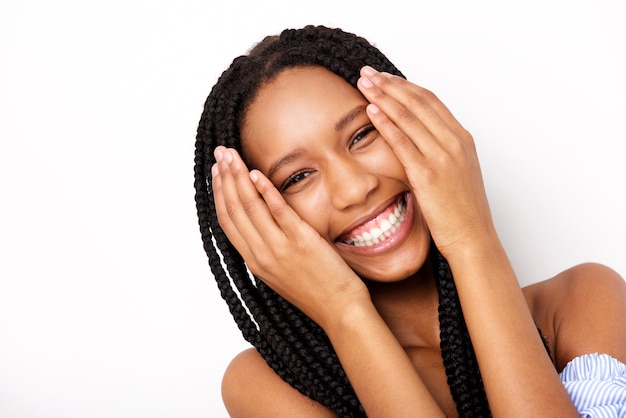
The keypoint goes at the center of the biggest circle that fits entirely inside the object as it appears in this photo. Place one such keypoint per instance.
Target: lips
(380, 228)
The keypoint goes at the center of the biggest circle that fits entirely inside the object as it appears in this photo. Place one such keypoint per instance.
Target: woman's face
(309, 133)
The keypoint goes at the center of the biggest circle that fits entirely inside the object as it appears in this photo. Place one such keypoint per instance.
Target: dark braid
(457, 352)
(294, 346)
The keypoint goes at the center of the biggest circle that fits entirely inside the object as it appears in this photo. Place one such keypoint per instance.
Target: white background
(107, 305)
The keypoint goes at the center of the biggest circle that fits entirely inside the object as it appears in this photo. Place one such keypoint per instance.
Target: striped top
(597, 385)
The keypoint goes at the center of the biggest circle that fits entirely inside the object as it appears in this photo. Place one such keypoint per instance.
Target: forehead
(295, 108)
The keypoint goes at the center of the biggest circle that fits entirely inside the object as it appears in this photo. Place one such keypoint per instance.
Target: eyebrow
(287, 159)
(349, 117)
(298, 152)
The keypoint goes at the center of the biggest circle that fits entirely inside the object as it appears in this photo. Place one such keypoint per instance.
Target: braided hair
(294, 346)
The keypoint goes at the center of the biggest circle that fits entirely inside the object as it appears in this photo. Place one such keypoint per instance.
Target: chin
(398, 269)
(386, 277)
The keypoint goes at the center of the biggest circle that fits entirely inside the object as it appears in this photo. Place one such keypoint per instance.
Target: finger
(407, 93)
(223, 218)
(455, 140)
(268, 211)
(232, 210)
(286, 218)
(265, 208)
(410, 120)
(405, 147)
(415, 110)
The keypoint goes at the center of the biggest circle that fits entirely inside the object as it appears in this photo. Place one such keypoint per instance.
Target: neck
(409, 307)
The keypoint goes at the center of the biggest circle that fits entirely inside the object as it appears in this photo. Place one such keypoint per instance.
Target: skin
(379, 308)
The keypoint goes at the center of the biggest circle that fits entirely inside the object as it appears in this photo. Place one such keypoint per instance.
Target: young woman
(379, 286)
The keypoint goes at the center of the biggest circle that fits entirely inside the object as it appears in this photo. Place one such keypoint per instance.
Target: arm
(296, 262)
(441, 162)
(517, 372)
(590, 312)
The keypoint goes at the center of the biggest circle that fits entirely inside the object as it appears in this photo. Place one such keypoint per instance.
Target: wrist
(349, 314)
(484, 244)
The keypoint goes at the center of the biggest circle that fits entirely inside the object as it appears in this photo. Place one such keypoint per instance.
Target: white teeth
(386, 228)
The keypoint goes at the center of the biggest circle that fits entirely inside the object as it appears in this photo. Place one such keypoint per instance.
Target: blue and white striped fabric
(597, 385)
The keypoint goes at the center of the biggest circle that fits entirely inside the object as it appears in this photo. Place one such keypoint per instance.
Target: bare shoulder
(582, 310)
(250, 388)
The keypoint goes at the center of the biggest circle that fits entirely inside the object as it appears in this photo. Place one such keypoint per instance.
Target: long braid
(294, 346)
(456, 347)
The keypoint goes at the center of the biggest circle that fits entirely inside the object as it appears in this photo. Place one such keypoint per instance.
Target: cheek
(312, 207)
(383, 160)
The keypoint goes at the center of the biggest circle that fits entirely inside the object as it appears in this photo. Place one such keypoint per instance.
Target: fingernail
(366, 82)
(228, 156)
(214, 170)
(372, 108)
(218, 154)
(368, 71)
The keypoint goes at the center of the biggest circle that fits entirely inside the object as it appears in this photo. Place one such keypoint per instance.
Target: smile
(379, 229)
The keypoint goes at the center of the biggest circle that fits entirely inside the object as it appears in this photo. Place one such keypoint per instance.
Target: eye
(295, 178)
(363, 135)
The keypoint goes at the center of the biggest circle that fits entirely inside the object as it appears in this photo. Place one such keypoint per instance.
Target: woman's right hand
(278, 246)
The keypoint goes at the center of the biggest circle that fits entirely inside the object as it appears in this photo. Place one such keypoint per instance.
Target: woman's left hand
(438, 155)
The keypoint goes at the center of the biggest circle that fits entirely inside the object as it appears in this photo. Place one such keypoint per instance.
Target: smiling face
(307, 130)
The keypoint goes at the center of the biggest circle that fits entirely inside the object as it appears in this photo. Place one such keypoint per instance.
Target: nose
(350, 183)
